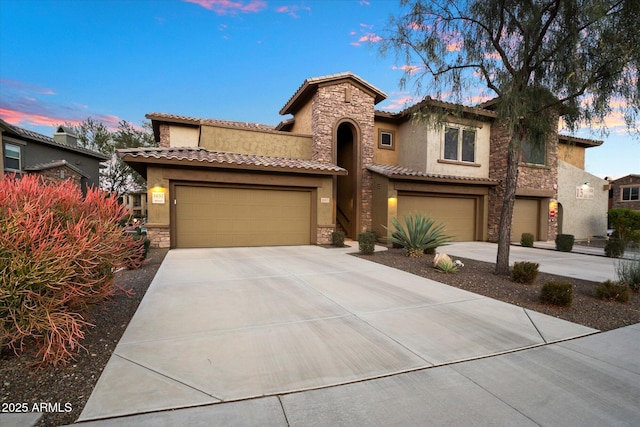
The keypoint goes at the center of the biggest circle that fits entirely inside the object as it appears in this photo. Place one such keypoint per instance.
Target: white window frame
(19, 158)
(630, 188)
(459, 145)
(391, 134)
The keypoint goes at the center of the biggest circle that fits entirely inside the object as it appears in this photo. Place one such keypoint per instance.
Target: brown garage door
(526, 214)
(457, 213)
(221, 217)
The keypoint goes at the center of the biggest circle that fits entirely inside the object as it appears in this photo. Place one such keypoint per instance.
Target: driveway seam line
(168, 377)
(284, 413)
(534, 325)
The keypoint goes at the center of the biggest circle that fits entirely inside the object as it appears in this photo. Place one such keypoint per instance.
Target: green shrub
(564, 242)
(613, 291)
(447, 266)
(337, 238)
(367, 242)
(614, 248)
(524, 272)
(58, 253)
(527, 240)
(625, 222)
(557, 293)
(628, 272)
(418, 234)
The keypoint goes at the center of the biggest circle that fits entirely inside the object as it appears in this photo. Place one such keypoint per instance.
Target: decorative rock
(439, 258)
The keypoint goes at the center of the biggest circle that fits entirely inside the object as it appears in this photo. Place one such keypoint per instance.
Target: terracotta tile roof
(54, 164)
(198, 156)
(400, 172)
(35, 136)
(430, 102)
(582, 142)
(175, 118)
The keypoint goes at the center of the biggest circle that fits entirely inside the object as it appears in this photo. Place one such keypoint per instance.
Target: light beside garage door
(224, 217)
(457, 213)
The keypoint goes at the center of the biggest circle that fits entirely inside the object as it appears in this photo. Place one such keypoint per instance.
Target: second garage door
(526, 214)
(223, 217)
(457, 213)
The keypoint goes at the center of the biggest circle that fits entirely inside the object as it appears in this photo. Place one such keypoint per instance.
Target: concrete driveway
(313, 336)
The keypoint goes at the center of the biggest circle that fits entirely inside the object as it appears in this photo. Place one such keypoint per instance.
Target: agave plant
(418, 233)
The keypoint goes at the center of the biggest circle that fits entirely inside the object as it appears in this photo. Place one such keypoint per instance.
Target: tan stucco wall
(583, 218)
(302, 122)
(273, 144)
(326, 210)
(157, 214)
(385, 205)
(181, 136)
(571, 154)
(382, 156)
(421, 147)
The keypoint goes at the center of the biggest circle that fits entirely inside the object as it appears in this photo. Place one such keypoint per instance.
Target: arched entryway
(347, 194)
(560, 217)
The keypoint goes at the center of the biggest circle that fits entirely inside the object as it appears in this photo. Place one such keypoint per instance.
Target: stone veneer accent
(532, 180)
(330, 106)
(159, 236)
(324, 235)
(164, 136)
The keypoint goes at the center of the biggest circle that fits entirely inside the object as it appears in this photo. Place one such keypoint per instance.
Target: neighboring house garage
(208, 216)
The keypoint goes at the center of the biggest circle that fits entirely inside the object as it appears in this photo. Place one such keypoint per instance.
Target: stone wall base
(159, 235)
(323, 236)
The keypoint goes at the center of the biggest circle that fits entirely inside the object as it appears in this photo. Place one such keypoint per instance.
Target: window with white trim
(459, 144)
(385, 139)
(630, 194)
(12, 157)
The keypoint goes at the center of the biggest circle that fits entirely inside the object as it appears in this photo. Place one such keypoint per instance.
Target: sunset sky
(66, 60)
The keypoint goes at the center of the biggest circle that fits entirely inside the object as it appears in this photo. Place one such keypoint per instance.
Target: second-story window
(534, 154)
(459, 144)
(385, 139)
(12, 157)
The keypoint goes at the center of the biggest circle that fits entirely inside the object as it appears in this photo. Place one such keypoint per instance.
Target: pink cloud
(401, 101)
(370, 37)
(292, 10)
(409, 69)
(364, 3)
(222, 7)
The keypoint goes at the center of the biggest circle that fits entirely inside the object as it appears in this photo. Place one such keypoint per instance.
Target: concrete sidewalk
(307, 335)
(569, 264)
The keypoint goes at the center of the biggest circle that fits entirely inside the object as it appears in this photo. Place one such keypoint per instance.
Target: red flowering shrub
(58, 252)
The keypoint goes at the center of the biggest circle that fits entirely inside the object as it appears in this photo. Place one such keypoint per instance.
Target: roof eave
(141, 163)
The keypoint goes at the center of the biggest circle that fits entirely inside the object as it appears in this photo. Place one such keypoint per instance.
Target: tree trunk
(506, 213)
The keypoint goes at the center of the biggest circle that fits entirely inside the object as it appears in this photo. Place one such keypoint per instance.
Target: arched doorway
(560, 217)
(347, 198)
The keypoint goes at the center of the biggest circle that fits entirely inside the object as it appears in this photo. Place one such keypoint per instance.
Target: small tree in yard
(58, 253)
(540, 58)
(116, 176)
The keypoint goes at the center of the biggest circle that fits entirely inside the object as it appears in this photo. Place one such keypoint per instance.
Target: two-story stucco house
(336, 163)
(55, 159)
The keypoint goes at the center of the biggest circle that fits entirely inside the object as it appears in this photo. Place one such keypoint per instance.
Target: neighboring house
(582, 197)
(625, 192)
(337, 163)
(136, 203)
(55, 159)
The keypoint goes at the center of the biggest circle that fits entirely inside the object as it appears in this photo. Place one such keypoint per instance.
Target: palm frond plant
(418, 233)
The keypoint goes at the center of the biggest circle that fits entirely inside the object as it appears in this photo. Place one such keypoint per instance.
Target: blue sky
(65, 60)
